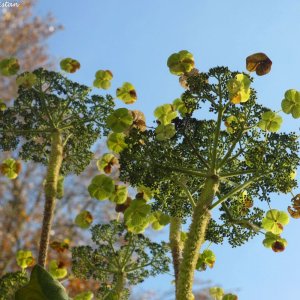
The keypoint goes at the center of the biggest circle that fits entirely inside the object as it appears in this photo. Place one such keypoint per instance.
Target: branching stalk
(175, 244)
(55, 161)
(195, 238)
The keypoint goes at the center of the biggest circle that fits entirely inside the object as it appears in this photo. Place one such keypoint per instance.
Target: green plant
(194, 166)
(55, 121)
(121, 259)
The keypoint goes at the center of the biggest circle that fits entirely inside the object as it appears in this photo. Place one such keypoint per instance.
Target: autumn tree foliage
(23, 35)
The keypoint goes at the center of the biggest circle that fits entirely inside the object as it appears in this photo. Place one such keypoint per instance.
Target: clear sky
(134, 38)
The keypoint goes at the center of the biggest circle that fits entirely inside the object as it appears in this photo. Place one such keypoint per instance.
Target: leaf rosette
(101, 187)
(275, 220)
(181, 62)
(120, 120)
(291, 103)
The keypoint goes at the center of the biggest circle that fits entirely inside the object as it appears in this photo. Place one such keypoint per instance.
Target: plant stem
(119, 287)
(55, 161)
(175, 244)
(195, 238)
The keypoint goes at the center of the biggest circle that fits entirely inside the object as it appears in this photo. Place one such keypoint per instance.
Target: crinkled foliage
(55, 103)
(118, 251)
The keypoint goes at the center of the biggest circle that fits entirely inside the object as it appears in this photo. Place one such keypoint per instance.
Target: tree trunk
(55, 161)
(195, 238)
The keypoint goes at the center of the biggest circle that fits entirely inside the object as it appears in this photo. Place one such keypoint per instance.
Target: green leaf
(3, 106)
(165, 132)
(180, 106)
(275, 242)
(144, 193)
(181, 62)
(230, 297)
(160, 220)
(106, 162)
(119, 196)
(137, 216)
(270, 121)
(275, 220)
(56, 270)
(84, 219)
(84, 296)
(27, 80)
(120, 120)
(239, 89)
(116, 142)
(101, 187)
(103, 79)
(10, 168)
(25, 259)
(127, 93)
(69, 65)
(216, 292)
(206, 258)
(9, 66)
(42, 286)
(291, 103)
(165, 113)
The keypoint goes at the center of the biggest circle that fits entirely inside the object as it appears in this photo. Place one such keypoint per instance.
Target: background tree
(23, 35)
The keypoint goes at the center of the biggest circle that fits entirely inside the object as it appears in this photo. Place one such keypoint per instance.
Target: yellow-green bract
(181, 62)
(10, 168)
(84, 219)
(165, 132)
(119, 196)
(206, 258)
(103, 79)
(291, 103)
(56, 271)
(101, 187)
(106, 162)
(159, 220)
(165, 113)
(127, 93)
(9, 66)
(137, 216)
(84, 296)
(274, 241)
(24, 259)
(27, 80)
(180, 106)
(275, 220)
(270, 121)
(69, 65)
(216, 292)
(239, 89)
(119, 120)
(116, 142)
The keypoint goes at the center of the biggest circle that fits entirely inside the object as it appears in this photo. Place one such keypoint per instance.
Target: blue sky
(134, 39)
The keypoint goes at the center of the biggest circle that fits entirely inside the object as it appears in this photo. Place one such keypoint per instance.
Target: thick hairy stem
(175, 244)
(121, 277)
(55, 161)
(195, 238)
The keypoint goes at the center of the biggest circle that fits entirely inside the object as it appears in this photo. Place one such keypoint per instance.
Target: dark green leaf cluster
(55, 103)
(237, 228)
(118, 253)
(248, 154)
(10, 283)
